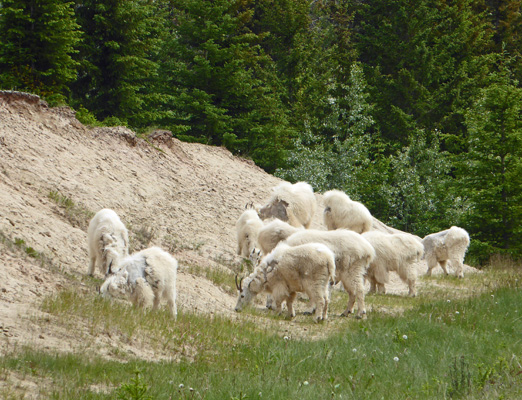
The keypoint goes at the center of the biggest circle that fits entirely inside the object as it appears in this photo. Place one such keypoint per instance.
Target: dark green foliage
(460, 378)
(392, 101)
(491, 171)
(38, 40)
(118, 59)
(416, 193)
(136, 389)
(423, 60)
(224, 84)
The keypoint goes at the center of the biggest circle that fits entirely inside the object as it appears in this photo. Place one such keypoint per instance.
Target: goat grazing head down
(113, 255)
(115, 285)
(249, 288)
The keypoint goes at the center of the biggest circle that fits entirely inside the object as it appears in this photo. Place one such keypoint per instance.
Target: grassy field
(459, 339)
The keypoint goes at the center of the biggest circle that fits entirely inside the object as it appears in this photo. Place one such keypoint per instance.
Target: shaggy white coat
(308, 268)
(248, 226)
(292, 203)
(106, 229)
(342, 212)
(274, 232)
(353, 255)
(449, 245)
(394, 252)
(145, 278)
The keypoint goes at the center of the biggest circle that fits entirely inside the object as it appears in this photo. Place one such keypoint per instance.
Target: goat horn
(241, 284)
(109, 269)
(237, 285)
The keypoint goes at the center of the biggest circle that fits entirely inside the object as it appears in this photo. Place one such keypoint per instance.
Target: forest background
(411, 107)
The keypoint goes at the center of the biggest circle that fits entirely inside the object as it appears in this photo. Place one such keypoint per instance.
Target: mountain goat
(397, 253)
(105, 229)
(308, 268)
(342, 212)
(247, 230)
(449, 245)
(294, 204)
(353, 254)
(274, 232)
(145, 277)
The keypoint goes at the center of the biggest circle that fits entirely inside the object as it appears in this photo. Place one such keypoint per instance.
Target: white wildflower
(396, 359)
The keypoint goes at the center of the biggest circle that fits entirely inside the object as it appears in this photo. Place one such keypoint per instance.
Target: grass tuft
(452, 341)
(77, 215)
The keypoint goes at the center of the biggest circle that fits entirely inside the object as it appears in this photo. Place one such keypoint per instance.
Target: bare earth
(184, 197)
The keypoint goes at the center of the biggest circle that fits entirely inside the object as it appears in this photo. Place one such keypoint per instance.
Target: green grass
(441, 346)
(220, 277)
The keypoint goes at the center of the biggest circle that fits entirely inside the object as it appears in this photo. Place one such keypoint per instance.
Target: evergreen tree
(346, 160)
(416, 192)
(505, 19)
(225, 85)
(37, 45)
(491, 173)
(424, 62)
(119, 59)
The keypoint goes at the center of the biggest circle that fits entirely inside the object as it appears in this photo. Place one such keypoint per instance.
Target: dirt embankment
(183, 197)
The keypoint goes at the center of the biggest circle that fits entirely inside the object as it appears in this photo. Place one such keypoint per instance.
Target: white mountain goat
(274, 232)
(397, 253)
(353, 255)
(145, 278)
(294, 204)
(287, 270)
(269, 236)
(342, 212)
(247, 230)
(449, 245)
(105, 229)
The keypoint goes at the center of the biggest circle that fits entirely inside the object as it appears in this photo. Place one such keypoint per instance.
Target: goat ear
(126, 275)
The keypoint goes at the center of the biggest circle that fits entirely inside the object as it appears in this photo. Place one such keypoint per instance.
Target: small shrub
(136, 389)
(20, 243)
(460, 378)
(86, 117)
(114, 121)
